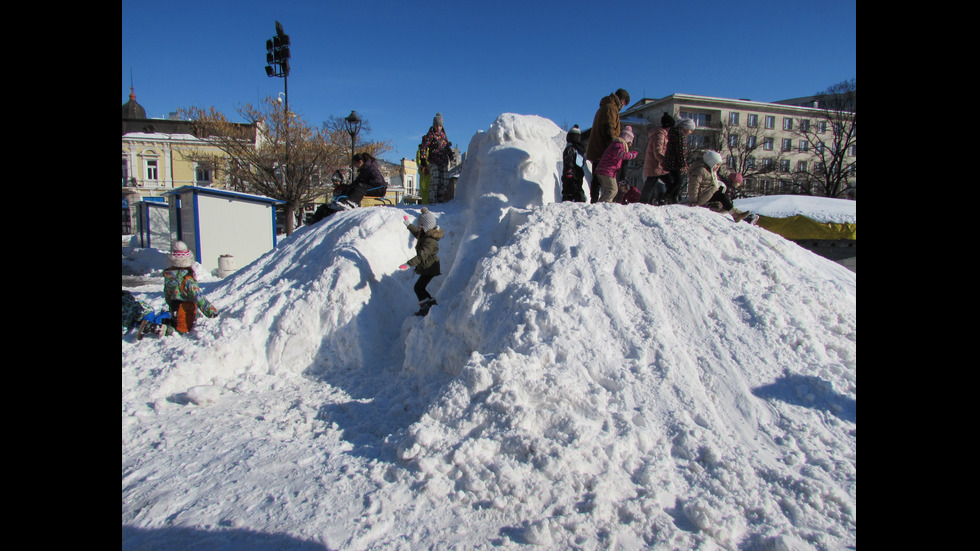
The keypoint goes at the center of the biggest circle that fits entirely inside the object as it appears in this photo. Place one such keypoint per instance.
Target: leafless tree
(746, 151)
(276, 154)
(831, 170)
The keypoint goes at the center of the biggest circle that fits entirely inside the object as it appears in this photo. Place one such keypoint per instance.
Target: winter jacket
(675, 156)
(653, 161)
(368, 177)
(435, 148)
(701, 183)
(179, 285)
(605, 127)
(426, 259)
(613, 158)
(572, 175)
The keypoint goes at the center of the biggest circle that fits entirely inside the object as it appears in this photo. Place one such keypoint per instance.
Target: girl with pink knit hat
(617, 152)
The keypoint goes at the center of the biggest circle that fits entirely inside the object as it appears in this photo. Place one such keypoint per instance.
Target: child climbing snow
(180, 289)
(426, 259)
(617, 152)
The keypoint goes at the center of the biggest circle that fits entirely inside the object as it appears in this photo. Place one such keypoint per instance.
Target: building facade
(779, 148)
(159, 156)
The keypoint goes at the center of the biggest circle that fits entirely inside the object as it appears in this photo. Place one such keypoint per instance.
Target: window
(804, 125)
(750, 141)
(821, 127)
(732, 162)
(151, 170)
(767, 164)
(787, 144)
(753, 121)
(770, 122)
(733, 141)
(733, 118)
(701, 120)
(852, 151)
(750, 164)
(804, 146)
(767, 144)
(784, 165)
(203, 175)
(787, 123)
(801, 166)
(125, 172)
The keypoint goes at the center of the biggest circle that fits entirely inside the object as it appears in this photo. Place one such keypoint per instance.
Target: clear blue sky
(398, 62)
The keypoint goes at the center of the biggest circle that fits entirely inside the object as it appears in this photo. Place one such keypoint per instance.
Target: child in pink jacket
(617, 152)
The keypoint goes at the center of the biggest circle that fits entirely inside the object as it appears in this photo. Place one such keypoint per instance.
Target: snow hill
(594, 377)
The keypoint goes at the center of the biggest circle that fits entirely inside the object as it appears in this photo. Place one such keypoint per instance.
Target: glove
(403, 267)
(406, 222)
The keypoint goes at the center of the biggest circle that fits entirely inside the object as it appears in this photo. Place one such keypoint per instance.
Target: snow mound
(594, 376)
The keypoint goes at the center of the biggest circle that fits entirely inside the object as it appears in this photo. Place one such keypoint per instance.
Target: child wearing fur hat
(181, 291)
(617, 152)
(426, 259)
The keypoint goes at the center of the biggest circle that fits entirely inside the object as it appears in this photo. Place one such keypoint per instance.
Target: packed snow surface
(593, 377)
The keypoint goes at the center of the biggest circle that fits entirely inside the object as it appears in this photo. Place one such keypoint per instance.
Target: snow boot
(739, 215)
(425, 305)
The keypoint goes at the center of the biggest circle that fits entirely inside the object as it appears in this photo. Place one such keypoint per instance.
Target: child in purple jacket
(617, 152)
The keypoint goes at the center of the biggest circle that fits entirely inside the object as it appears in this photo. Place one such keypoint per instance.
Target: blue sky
(398, 62)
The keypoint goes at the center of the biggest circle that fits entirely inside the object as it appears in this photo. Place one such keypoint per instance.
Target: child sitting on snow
(181, 291)
(426, 259)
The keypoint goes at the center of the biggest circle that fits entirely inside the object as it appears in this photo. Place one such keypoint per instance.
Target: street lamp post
(277, 57)
(353, 127)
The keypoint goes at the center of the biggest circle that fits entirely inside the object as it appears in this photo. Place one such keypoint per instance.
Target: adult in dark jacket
(426, 259)
(572, 172)
(605, 128)
(368, 177)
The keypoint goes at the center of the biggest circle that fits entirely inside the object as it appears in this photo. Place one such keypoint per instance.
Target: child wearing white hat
(184, 297)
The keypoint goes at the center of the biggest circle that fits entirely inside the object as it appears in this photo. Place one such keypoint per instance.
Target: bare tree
(276, 154)
(746, 151)
(832, 138)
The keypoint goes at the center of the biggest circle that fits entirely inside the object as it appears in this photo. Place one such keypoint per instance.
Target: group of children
(664, 163)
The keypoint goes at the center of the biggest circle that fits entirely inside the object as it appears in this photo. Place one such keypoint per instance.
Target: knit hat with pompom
(180, 256)
(426, 220)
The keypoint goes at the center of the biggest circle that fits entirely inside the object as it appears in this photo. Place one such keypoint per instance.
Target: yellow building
(158, 156)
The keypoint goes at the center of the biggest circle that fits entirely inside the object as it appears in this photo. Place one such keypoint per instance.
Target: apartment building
(778, 147)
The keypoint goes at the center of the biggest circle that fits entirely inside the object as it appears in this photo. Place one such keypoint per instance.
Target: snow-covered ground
(594, 377)
(822, 209)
